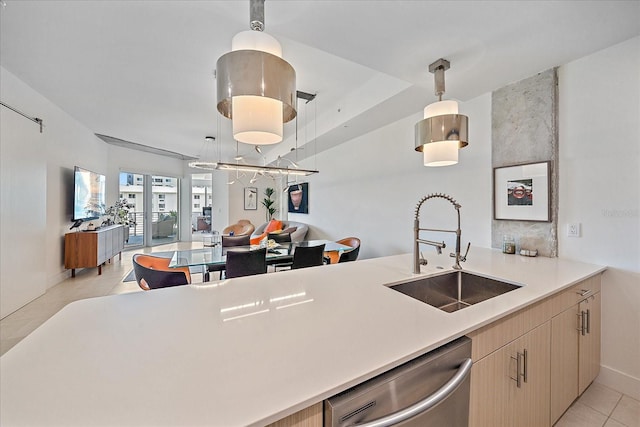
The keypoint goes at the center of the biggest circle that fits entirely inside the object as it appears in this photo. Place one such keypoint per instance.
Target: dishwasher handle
(427, 403)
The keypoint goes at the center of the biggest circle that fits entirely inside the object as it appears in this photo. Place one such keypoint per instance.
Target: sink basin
(454, 290)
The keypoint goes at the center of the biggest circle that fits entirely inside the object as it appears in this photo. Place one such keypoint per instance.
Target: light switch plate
(573, 230)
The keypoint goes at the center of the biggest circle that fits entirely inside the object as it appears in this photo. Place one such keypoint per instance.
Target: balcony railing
(136, 222)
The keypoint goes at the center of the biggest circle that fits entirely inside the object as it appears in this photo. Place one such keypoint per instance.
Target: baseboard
(57, 278)
(619, 381)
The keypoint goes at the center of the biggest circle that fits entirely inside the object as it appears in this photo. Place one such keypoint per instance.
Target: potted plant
(118, 213)
(268, 203)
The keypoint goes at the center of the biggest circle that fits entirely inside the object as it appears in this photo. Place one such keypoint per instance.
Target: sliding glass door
(201, 197)
(132, 190)
(154, 213)
(164, 207)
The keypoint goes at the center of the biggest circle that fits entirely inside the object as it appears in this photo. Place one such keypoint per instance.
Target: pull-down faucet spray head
(439, 246)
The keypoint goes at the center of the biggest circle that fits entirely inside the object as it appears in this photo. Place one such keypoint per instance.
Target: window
(196, 205)
(131, 196)
(161, 196)
(196, 196)
(161, 206)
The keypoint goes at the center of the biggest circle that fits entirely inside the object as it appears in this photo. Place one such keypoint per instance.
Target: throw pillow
(256, 240)
(289, 230)
(273, 225)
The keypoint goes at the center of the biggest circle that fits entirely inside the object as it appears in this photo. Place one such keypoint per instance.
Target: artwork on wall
(299, 198)
(250, 198)
(522, 192)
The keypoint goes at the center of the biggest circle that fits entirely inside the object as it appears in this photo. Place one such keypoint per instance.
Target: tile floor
(599, 406)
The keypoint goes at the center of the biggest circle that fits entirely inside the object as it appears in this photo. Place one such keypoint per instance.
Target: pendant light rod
(256, 15)
(438, 68)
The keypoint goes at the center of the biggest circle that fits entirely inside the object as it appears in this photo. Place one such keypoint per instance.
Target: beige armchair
(241, 228)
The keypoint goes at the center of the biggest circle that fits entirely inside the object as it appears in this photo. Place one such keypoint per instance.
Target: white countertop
(246, 351)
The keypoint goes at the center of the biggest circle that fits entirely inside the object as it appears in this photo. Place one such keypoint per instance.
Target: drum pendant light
(256, 88)
(443, 131)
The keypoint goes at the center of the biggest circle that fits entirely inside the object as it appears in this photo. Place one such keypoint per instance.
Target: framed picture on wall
(299, 198)
(522, 192)
(250, 198)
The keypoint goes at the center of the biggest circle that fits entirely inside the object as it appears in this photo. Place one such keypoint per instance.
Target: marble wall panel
(524, 127)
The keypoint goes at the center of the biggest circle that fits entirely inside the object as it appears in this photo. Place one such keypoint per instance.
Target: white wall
(369, 187)
(64, 143)
(236, 201)
(22, 198)
(600, 189)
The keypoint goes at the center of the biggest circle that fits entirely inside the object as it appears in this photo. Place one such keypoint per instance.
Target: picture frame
(298, 195)
(250, 199)
(522, 192)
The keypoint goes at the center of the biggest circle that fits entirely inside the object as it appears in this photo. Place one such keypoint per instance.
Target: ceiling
(143, 71)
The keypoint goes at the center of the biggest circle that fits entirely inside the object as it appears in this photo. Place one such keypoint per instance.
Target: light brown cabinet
(589, 342)
(510, 387)
(88, 249)
(308, 417)
(575, 345)
(561, 336)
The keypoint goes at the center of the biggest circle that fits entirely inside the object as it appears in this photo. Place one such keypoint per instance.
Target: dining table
(214, 258)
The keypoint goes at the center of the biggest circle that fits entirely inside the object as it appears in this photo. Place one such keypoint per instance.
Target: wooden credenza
(89, 249)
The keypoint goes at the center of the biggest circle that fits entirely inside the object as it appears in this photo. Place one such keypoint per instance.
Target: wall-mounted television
(89, 194)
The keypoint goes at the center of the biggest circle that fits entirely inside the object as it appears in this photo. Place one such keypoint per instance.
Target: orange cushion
(273, 225)
(256, 240)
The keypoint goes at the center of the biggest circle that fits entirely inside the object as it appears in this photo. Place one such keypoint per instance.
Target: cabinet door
(490, 403)
(589, 343)
(531, 401)
(496, 399)
(102, 247)
(564, 361)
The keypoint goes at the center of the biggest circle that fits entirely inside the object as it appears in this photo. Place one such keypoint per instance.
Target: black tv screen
(88, 194)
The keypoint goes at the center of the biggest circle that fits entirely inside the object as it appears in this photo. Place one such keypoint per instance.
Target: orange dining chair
(153, 272)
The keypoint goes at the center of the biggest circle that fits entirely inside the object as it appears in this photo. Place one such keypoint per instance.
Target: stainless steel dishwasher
(431, 390)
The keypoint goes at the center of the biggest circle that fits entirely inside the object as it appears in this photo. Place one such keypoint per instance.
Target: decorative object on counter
(508, 245)
(268, 203)
(522, 192)
(438, 245)
(299, 198)
(529, 252)
(443, 131)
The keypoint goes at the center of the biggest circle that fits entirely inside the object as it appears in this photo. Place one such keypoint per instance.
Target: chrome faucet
(417, 261)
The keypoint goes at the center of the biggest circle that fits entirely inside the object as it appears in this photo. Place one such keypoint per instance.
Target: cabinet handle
(588, 321)
(584, 292)
(424, 405)
(526, 364)
(519, 376)
(581, 320)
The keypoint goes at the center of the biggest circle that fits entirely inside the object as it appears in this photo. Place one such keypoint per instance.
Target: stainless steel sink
(454, 290)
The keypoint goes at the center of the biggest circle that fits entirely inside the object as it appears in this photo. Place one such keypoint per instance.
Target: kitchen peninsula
(252, 350)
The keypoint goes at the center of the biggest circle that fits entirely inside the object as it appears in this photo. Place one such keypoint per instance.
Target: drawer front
(495, 335)
(575, 294)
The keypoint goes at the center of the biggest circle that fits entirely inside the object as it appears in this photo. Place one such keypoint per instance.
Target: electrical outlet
(573, 230)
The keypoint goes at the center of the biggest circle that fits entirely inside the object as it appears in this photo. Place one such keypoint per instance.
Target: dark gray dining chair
(279, 237)
(246, 263)
(228, 241)
(307, 256)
